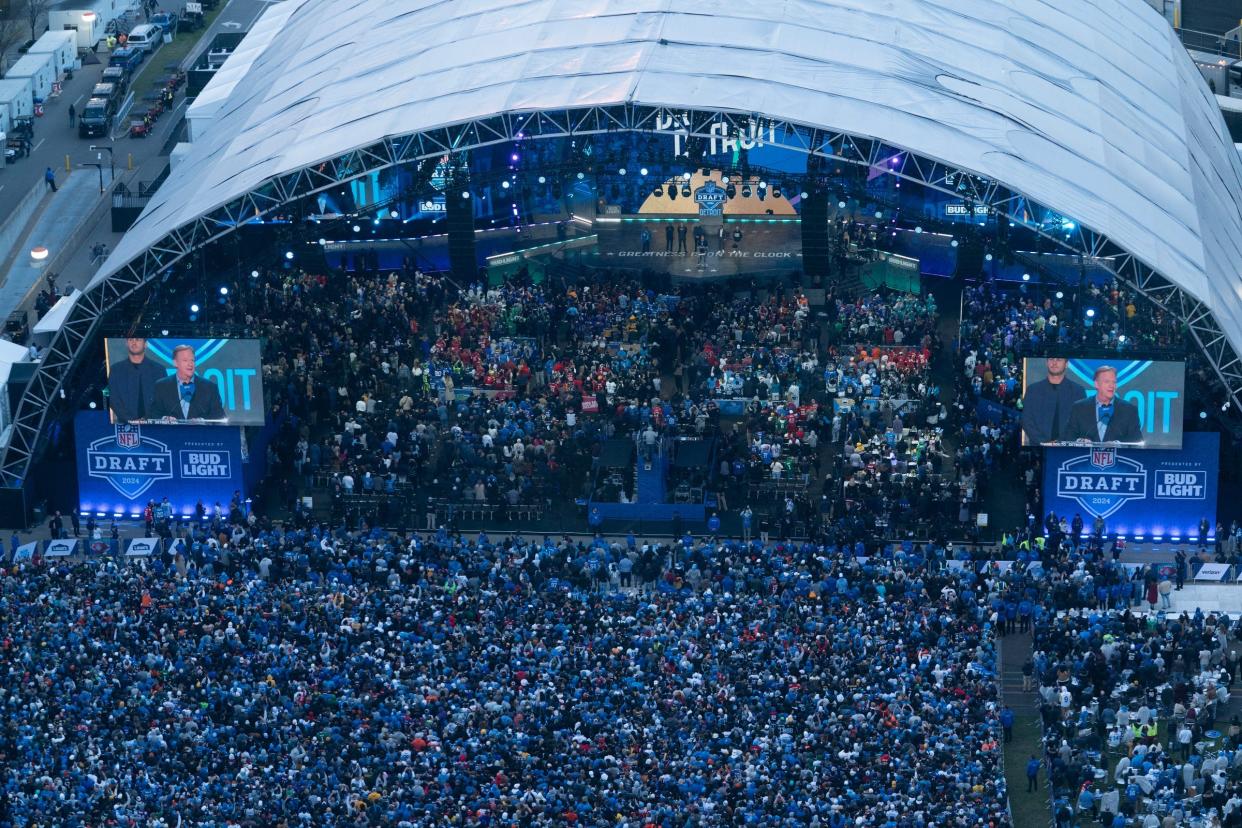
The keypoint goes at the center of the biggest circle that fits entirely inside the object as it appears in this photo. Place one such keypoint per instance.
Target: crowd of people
(311, 677)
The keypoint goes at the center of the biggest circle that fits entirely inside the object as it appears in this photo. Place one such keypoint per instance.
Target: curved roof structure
(1090, 107)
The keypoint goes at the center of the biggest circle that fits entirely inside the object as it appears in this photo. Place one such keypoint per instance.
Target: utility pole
(111, 163)
(100, 168)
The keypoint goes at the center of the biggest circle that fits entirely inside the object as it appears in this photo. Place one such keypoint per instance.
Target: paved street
(54, 140)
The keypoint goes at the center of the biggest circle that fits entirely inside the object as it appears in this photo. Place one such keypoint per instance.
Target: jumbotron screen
(1133, 402)
(192, 381)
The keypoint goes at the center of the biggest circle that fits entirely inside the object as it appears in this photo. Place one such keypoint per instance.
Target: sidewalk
(53, 226)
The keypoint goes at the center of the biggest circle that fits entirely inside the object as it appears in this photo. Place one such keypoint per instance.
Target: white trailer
(62, 46)
(88, 18)
(40, 69)
(16, 98)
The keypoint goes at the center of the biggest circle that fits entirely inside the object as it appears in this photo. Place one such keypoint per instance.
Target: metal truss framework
(41, 397)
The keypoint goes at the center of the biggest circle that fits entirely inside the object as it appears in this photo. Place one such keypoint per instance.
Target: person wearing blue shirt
(1006, 720)
(1032, 774)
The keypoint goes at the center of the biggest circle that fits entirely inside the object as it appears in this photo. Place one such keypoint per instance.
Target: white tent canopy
(1090, 107)
(47, 327)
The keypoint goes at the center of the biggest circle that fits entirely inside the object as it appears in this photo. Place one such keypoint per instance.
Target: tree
(36, 10)
(12, 29)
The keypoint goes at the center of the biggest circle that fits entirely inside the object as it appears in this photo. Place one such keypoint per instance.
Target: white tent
(1089, 107)
(47, 327)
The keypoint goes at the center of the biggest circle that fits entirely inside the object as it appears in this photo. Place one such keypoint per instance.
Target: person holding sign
(185, 395)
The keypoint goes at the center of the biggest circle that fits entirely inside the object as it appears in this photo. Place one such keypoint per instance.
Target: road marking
(231, 24)
(79, 100)
(36, 146)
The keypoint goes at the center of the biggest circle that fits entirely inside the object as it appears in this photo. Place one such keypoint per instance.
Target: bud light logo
(130, 462)
(1101, 481)
(200, 464)
(711, 198)
(1176, 484)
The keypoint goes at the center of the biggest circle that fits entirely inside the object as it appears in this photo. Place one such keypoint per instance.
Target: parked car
(110, 91)
(96, 118)
(144, 38)
(167, 21)
(117, 76)
(16, 327)
(126, 58)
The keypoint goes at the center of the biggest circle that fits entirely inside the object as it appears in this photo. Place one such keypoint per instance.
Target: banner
(1142, 494)
(25, 552)
(142, 547)
(121, 467)
(61, 548)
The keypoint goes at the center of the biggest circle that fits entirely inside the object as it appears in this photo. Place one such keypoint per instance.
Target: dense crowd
(315, 677)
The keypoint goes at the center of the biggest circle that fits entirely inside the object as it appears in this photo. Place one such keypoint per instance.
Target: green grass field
(148, 78)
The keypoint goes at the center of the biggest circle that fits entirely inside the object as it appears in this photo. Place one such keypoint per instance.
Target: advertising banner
(142, 547)
(61, 548)
(121, 467)
(1146, 494)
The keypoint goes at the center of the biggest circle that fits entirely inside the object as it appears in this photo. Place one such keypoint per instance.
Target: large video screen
(1133, 402)
(195, 381)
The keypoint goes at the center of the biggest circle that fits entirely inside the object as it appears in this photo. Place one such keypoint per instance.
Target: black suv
(96, 118)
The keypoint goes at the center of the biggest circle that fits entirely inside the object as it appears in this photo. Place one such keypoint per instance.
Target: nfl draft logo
(129, 462)
(711, 198)
(1102, 482)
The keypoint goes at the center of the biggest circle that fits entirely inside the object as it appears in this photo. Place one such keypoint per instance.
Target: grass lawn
(1030, 810)
(148, 79)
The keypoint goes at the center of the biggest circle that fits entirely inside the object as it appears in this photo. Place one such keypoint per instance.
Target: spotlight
(803, 195)
(224, 291)
(465, 194)
(840, 205)
(393, 214)
(672, 192)
(745, 191)
(1121, 338)
(288, 254)
(730, 191)
(504, 184)
(685, 190)
(763, 192)
(776, 191)
(254, 273)
(164, 332)
(1060, 295)
(879, 214)
(918, 230)
(194, 308)
(621, 171)
(1202, 415)
(357, 228)
(1026, 277)
(763, 185)
(1091, 313)
(375, 222)
(953, 243)
(658, 191)
(323, 242)
(581, 176)
(543, 179)
(686, 176)
(513, 157)
(642, 171)
(92, 405)
(724, 179)
(987, 257)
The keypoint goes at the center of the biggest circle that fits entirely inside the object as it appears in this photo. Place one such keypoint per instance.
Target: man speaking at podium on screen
(186, 395)
(1104, 418)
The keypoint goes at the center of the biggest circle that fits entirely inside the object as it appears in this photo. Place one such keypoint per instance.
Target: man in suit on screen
(185, 395)
(1046, 405)
(131, 383)
(1105, 418)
